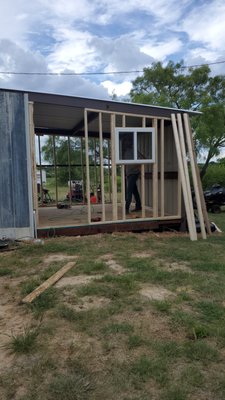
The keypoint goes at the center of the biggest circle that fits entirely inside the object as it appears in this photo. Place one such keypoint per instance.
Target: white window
(135, 145)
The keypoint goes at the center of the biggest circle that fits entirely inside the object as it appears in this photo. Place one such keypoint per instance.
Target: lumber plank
(123, 179)
(87, 166)
(49, 282)
(192, 229)
(113, 162)
(194, 176)
(162, 168)
(185, 165)
(101, 167)
(202, 199)
(143, 178)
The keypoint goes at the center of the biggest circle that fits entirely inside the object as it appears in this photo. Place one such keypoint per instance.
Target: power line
(70, 73)
(98, 73)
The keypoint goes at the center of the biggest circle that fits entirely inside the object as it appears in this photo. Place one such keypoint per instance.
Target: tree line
(191, 89)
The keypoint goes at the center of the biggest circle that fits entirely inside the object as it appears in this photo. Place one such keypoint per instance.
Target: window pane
(144, 145)
(126, 145)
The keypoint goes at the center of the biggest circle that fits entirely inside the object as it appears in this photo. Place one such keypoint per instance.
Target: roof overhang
(64, 115)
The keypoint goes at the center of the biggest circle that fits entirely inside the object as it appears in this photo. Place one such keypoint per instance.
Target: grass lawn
(140, 316)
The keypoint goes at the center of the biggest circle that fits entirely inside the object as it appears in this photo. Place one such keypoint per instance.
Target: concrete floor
(77, 215)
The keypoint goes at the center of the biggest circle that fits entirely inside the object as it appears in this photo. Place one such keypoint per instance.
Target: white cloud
(121, 54)
(72, 51)
(15, 58)
(160, 50)
(206, 24)
(69, 9)
(119, 89)
(102, 35)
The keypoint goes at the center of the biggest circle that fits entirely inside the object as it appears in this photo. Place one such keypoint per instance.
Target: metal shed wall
(15, 202)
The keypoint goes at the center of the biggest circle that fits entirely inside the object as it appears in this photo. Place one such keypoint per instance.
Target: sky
(91, 36)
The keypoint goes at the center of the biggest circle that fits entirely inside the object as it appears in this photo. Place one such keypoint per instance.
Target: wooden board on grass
(49, 282)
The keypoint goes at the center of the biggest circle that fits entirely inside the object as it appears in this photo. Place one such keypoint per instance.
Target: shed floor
(77, 215)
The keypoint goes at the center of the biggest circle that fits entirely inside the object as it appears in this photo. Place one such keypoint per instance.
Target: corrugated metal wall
(14, 192)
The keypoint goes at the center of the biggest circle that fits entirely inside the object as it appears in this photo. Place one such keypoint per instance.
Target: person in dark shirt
(132, 175)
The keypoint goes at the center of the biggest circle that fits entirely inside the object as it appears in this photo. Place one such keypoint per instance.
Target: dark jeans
(132, 190)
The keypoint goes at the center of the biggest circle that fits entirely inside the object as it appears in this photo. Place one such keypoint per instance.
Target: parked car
(215, 198)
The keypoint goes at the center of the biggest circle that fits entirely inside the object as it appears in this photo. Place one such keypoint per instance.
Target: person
(93, 198)
(132, 174)
(99, 193)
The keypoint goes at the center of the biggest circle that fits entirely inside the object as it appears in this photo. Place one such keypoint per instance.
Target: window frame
(134, 131)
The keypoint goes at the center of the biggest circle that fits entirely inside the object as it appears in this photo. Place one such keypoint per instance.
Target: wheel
(216, 209)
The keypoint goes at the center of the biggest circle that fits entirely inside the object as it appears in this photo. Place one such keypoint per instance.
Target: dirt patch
(155, 292)
(58, 257)
(112, 264)
(147, 254)
(13, 319)
(174, 266)
(91, 302)
(180, 266)
(185, 289)
(106, 257)
(117, 268)
(76, 280)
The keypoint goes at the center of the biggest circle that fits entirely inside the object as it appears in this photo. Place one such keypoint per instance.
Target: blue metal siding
(14, 200)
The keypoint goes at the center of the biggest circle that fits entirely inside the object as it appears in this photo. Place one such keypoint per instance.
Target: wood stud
(102, 167)
(114, 174)
(162, 167)
(192, 230)
(123, 180)
(155, 173)
(87, 167)
(143, 179)
(196, 185)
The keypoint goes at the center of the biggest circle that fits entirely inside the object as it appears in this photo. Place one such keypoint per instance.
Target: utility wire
(99, 73)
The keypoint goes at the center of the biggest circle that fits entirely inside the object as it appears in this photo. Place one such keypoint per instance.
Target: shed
(92, 132)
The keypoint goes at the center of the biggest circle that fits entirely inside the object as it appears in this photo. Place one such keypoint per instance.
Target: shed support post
(114, 174)
(69, 170)
(87, 167)
(109, 172)
(82, 166)
(155, 173)
(123, 180)
(33, 161)
(56, 174)
(162, 167)
(101, 167)
(143, 179)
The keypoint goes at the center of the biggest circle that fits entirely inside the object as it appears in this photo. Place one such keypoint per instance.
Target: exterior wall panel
(14, 193)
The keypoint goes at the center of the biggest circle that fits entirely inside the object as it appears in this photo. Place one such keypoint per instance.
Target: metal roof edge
(108, 101)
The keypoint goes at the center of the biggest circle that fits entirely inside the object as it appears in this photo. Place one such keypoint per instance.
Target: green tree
(63, 153)
(210, 133)
(193, 88)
